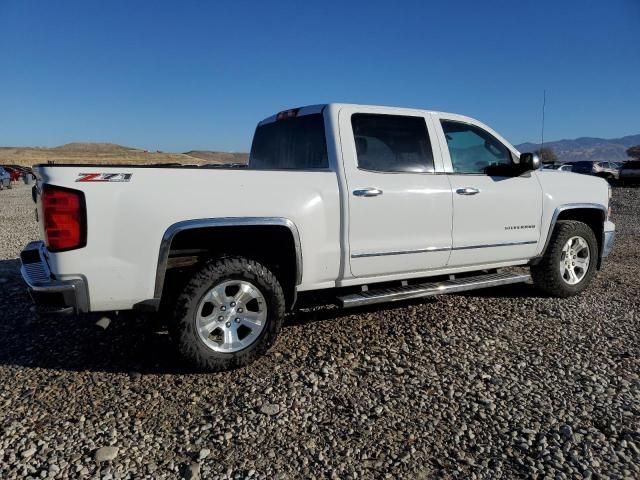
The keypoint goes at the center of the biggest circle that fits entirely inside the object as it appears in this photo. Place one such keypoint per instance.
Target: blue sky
(180, 75)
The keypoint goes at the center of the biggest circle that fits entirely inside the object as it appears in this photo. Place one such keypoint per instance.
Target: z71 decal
(104, 177)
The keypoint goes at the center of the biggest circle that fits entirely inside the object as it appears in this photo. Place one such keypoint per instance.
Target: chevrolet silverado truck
(349, 204)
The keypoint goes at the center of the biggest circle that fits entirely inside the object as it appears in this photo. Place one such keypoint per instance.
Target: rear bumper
(50, 294)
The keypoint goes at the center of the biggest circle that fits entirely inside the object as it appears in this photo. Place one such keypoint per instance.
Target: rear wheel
(569, 262)
(229, 313)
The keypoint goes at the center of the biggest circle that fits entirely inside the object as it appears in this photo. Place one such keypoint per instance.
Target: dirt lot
(502, 383)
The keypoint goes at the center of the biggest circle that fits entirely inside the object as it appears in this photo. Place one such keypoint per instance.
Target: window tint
(290, 143)
(392, 143)
(472, 149)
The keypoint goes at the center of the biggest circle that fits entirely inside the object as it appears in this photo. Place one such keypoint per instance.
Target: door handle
(367, 192)
(467, 191)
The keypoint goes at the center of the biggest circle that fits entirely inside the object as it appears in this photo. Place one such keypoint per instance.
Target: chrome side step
(394, 294)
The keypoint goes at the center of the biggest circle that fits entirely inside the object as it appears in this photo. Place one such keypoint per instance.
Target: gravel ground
(501, 383)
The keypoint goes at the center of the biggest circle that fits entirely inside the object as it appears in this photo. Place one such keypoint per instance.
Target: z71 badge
(104, 177)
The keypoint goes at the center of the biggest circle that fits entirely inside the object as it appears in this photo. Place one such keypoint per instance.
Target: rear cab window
(291, 143)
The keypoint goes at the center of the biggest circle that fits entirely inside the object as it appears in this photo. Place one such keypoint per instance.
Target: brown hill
(109, 153)
(108, 148)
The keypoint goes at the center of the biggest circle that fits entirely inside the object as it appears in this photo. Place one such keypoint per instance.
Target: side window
(392, 143)
(472, 149)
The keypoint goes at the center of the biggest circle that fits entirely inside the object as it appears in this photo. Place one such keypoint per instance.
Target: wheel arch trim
(176, 228)
(564, 208)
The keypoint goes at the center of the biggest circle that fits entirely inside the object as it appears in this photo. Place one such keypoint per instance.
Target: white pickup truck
(357, 204)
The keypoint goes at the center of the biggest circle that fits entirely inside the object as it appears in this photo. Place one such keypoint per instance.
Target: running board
(395, 294)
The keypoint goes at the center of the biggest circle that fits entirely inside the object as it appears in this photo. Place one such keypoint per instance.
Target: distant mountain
(587, 148)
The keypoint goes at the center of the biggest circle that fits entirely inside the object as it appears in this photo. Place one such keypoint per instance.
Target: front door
(399, 204)
(496, 213)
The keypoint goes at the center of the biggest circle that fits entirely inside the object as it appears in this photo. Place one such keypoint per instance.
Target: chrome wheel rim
(574, 261)
(231, 316)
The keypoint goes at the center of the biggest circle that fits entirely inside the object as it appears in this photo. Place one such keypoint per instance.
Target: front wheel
(229, 313)
(569, 262)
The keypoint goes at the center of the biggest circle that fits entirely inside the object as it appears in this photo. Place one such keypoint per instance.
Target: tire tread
(546, 274)
(188, 342)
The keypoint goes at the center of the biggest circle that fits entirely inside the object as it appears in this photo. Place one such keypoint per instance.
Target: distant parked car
(558, 167)
(5, 179)
(630, 172)
(26, 172)
(606, 170)
(21, 168)
(14, 173)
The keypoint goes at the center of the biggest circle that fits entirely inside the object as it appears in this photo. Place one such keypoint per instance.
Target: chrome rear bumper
(48, 293)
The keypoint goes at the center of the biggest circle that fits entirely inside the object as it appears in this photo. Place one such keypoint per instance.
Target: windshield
(291, 143)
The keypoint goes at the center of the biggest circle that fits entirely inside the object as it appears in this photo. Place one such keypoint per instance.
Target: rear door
(496, 214)
(399, 199)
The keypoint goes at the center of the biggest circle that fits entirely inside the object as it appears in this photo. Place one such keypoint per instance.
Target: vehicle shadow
(130, 342)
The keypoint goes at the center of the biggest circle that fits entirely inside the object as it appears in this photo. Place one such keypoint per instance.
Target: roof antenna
(544, 104)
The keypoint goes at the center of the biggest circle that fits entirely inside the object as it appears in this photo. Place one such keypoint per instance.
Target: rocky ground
(502, 383)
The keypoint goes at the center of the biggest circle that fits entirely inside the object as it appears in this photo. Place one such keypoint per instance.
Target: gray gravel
(17, 220)
(501, 383)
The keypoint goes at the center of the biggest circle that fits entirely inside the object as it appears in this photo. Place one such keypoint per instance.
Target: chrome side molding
(400, 252)
(440, 249)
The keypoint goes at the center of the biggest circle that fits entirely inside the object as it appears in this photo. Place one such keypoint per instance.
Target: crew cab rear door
(399, 200)
(496, 210)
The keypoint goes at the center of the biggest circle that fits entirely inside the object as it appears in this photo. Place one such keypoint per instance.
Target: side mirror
(529, 161)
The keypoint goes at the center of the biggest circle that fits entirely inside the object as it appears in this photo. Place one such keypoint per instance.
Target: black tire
(189, 343)
(546, 274)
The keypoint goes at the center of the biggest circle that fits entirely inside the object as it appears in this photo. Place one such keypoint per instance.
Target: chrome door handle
(467, 191)
(367, 192)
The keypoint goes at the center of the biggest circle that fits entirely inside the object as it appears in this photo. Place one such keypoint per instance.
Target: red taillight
(64, 218)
